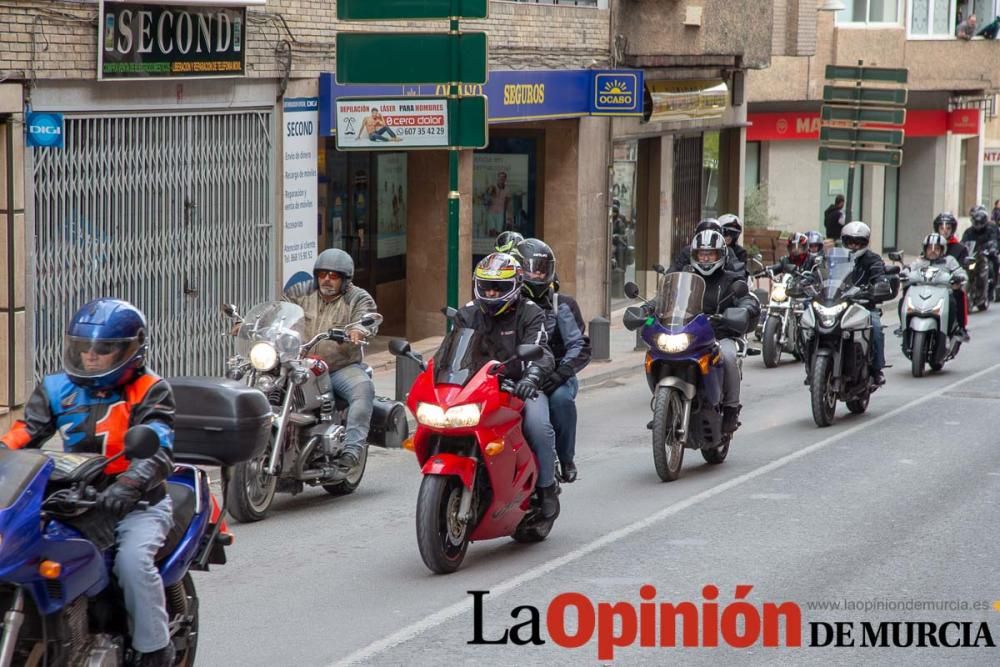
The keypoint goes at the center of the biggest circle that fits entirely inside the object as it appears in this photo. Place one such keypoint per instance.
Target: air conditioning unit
(692, 15)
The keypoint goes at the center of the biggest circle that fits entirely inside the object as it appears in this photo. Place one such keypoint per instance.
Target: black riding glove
(121, 497)
(528, 385)
(142, 476)
(557, 378)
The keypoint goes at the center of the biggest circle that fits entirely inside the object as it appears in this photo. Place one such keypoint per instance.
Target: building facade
(950, 115)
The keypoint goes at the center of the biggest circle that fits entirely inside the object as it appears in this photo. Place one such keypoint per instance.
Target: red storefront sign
(804, 125)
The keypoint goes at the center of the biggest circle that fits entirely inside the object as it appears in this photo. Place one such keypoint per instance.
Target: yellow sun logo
(617, 87)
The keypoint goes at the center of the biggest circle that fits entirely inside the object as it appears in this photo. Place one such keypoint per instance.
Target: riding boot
(567, 472)
(548, 499)
(162, 658)
(350, 455)
(730, 418)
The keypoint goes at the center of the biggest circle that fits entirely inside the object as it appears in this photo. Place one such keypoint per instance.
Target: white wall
(922, 188)
(792, 172)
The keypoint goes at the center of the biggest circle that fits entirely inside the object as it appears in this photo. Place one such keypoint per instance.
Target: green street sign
(394, 10)
(410, 122)
(883, 74)
(890, 158)
(411, 58)
(862, 96)
(861, 136)
(865, 115)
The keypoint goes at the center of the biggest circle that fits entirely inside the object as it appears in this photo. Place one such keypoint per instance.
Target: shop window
(752, 165)
(710, 186)
(991, 186)
(933, 18)
(833, 181)
(623, 218)
(504, 178)
(869, 11)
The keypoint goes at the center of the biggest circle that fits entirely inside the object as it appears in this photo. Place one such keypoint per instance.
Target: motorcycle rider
(507, 320)
(708, 259)
(731, 230)
(869, 272)
(570, 346)
(945, 224)
(984, 233)
(797, 257)
(935, 254)
(330, 301)
(102, 391)
(815, 242)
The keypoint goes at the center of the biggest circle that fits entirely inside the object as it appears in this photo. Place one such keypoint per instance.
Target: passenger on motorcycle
(815, 242)
(731, 230)
(708, 253)
(869, 273)
(330, 301)
(683, 258)
(103, 390)
(935, 254)
(507, 242)
(570, 346)
(945, 224)
(507, 320)
(797, 258)
(984, 233)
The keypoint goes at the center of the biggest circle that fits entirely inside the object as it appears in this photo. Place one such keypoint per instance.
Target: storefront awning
(515, 95)
(804, 125)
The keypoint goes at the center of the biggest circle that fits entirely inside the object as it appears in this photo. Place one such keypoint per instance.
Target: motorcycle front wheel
(668, 450)
(250, 490)
(918, 353)
(770, 344)
(824, 398)
(441, 537)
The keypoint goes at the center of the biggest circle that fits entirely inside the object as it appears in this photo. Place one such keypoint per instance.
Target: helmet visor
(88, 358)
(539, 269)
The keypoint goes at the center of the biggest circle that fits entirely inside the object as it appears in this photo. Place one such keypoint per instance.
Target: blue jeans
(541, 437)
(140, 535)
(562, 414)
(353, 385)
(878, 342)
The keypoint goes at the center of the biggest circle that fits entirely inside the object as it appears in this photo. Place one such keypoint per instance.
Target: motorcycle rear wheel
(251, 490)
(185, 657)
(717, 455)
(350, 483)
(441, 537)
(770, 345)
(668, 452)
(824, 399)
(918, 353)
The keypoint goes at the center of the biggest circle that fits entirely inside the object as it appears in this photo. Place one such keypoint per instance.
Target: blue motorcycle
(684, 369)
(60, 602)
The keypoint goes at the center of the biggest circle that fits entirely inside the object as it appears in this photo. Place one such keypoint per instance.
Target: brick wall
(58, 40)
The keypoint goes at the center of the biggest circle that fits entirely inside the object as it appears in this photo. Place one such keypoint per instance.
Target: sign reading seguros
(45, 130)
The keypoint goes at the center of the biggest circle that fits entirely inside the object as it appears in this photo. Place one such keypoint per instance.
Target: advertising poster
(391, 205)
(299, 201)
(500, 198)
(392, 124)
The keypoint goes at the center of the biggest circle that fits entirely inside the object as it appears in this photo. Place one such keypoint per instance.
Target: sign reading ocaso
(161, 41)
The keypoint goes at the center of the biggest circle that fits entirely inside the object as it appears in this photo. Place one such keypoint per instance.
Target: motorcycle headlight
(263, 356)
(459, 416)
(829, 311)
(673, 342)
(972, 266)
(779, 293)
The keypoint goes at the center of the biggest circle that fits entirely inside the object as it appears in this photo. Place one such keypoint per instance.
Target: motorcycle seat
(183, 500)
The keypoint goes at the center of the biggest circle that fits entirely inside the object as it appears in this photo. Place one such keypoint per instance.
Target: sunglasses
(328, 274)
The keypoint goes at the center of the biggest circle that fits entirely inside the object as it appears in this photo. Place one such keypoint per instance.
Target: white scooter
(926, 339)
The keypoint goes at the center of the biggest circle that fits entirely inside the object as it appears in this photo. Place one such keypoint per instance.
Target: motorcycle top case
(219, 422)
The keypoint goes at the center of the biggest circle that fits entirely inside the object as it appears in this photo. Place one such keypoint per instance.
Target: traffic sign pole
(453, 193)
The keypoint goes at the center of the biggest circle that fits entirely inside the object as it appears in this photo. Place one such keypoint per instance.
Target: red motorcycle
(479, 471)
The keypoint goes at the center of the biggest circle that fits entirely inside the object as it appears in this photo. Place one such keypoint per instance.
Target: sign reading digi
(616, 93)
(45, 130)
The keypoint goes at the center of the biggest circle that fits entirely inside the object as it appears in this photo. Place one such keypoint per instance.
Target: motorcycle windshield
(835, 274)
(280, 323)
(971, 246)
(462, 353)
(679, 298)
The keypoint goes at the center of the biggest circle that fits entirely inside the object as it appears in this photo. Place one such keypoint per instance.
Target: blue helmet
(105, 344)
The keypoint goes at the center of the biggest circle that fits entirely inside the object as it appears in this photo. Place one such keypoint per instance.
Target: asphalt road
(893, 509)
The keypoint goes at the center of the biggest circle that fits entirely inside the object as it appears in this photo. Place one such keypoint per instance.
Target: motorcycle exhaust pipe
(12, 622)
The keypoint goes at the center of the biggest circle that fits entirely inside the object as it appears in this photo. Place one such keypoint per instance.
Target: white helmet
(712, 241)
(856, 232)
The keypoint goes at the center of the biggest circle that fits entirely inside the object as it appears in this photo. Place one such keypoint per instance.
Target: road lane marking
(444, 615)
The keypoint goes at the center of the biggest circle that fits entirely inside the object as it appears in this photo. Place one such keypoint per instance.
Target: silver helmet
(335, 259)
(712, 242)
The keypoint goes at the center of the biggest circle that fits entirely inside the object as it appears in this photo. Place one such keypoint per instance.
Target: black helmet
(708, 224)
(539, 264)
(979, 217)
(731, 226)
(507, 242)
(945, 218)
(815, 241)
(708, 241)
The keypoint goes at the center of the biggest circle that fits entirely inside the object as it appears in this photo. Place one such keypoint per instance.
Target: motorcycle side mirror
(740, 289)
(634, 318)
(759, 257)
(141, 442)
(399, 347)
(896, 256)
(530, 352)
(370, 320)
(449, 312)
(659, 269)
(631, 290)
(737, 318)
(229, 310)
